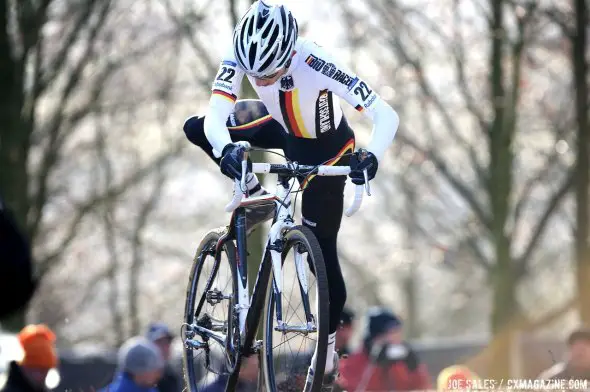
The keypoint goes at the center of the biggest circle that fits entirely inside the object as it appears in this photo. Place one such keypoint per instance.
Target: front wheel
(211, 336)
(297, 329)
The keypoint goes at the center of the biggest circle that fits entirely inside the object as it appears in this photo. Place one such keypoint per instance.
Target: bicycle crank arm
(217, 325)
(218, 337)
(305, 329)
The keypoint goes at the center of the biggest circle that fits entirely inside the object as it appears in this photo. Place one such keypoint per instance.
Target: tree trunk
(410, 282)
(504, 310)
(501, 133)
(580, 68)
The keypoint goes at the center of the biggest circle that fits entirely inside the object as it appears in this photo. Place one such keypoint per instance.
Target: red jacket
(400, 377)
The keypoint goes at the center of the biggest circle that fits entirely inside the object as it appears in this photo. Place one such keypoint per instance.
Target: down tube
(242, 267)
(258, 298)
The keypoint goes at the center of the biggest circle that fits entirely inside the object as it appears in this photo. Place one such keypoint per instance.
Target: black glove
(231, 161)
(360, 161)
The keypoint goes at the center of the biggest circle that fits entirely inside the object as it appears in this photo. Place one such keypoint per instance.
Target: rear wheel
(288, 346)
(210, 299)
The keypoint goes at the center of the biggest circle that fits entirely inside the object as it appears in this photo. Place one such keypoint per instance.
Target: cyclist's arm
(225, 90)
(357, 92)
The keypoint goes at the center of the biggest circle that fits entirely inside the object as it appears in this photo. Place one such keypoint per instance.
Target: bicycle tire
(293, 236)
(209, 240)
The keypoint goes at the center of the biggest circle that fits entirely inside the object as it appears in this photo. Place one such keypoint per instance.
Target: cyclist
(299, 85)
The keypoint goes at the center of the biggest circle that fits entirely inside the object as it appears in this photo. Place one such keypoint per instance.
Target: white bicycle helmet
(264, 39)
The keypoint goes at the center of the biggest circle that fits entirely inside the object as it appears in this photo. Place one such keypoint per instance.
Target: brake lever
(367, 186)
(362, 155)
(244, 171)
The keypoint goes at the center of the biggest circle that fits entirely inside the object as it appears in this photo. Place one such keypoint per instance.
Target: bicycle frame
(249, 306)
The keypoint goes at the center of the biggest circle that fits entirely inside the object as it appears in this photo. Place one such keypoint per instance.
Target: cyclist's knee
(195, 131)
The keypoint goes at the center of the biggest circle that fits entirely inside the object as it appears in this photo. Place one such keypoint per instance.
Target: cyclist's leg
(323, 204)
(322, 208)
(249, 122)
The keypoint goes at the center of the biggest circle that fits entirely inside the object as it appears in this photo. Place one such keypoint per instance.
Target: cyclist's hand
(359, 162)
(231, 161)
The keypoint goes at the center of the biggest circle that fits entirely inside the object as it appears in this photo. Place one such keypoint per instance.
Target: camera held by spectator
(385, 362)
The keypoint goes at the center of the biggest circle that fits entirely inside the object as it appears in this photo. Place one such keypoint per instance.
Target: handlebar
(293, 169)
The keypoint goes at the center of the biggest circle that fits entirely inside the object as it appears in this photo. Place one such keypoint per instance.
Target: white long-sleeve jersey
(305, 101)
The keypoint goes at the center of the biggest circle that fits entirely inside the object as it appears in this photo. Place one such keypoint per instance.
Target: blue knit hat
(380, 320)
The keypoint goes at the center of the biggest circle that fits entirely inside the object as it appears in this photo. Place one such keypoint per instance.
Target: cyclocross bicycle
(221, 320)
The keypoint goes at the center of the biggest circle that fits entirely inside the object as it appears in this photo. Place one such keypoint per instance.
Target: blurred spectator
(140, 367)
(385, 362)
(247, 380)
(161, 336)
(344, 332)
(17, 283)
(29, 374)
(577, 364)
(455, 378)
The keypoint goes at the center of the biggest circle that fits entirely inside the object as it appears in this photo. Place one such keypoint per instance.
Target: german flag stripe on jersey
(251, 124)
(225, 95)
(348, 148)
(359, 108)
(289, 102)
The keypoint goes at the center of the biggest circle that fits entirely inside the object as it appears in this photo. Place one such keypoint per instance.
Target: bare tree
(572, 20)
(583, 165)
(110, 239)
(53, 78)
(577, 35)
(72, 183)
(470, 128)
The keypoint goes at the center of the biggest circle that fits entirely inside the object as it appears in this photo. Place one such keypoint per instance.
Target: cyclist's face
(271, 79)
